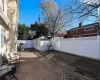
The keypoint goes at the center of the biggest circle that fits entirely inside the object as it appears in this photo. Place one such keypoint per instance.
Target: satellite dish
(95, 3)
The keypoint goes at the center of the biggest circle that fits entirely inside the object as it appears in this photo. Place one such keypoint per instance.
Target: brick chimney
(80, 24)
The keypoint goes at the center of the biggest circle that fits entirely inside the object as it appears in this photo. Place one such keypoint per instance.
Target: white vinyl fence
(27, 43)
(83, 46)
(41, 44)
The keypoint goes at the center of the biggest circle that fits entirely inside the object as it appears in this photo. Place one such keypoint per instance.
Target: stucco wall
(8, 19)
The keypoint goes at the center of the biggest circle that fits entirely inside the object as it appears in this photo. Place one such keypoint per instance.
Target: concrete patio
(56, 65)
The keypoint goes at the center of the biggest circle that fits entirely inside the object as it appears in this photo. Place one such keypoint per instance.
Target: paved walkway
(56, 66)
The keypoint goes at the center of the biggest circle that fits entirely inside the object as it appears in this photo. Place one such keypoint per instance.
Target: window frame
(2, 5)
(89, 29)
(2, 41)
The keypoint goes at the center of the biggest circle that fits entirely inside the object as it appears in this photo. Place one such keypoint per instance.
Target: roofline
(84, 26)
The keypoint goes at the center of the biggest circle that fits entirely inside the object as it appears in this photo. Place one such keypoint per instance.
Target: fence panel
(84, 46)
(41, 44)
(27, 43)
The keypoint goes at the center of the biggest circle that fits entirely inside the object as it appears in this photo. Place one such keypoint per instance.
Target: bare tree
(57, 18)
(53, 16)
(82, 10)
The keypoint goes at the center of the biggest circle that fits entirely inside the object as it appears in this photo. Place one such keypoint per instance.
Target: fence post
(99, 45)
(73, 45)
(98, 40)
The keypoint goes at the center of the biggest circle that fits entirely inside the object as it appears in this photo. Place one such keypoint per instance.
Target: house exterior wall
(13, 18)
(8, 22)
(83, 32)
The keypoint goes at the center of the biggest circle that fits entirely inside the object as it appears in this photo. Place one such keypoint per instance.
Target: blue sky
(30, 11)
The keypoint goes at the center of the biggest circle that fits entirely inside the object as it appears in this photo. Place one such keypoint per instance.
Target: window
(72, 31)
(2, 5)
(89, 29)
(3, 38)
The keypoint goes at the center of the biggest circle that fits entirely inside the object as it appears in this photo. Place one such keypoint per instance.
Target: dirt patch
(86, 73)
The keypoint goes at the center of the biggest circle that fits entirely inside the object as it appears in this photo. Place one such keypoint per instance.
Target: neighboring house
(8, 24)
(60, 35)
(84, 31)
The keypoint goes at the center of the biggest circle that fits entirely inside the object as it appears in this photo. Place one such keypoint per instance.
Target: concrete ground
(56, 65)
